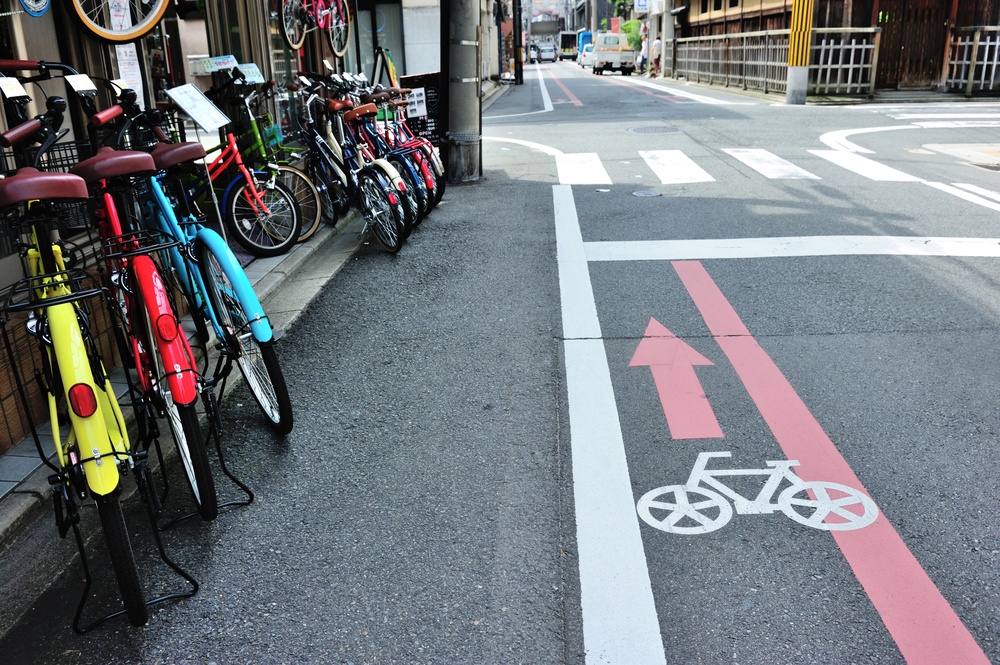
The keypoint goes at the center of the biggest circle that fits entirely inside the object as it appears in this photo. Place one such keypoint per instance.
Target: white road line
(769, 165)
(944, 116)
(673, 167)
(863, 166)
(979, 190)
(753, 248)
(963, 194)
(676, 92)
(546, 103)
(837, 140)
(581, 168)
(620, 624)
(955, 124)
(547, 149)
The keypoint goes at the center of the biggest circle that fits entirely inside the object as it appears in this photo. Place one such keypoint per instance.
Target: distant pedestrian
(657, 50)
(641, 65)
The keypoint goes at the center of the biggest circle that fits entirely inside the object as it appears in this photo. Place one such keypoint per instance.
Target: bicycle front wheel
(293, 23)
(306, 196)
(118, 22)
(381, 213)
(258, 362)
(122, 558)
(339, 27)
(263, 233)
(416, 189)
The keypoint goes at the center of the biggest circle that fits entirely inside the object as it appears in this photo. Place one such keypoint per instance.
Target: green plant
(634, 30)
(604, 25)
(623, 7)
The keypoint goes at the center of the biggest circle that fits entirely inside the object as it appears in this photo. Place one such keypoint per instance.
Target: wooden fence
(842, 61)
(973, 60)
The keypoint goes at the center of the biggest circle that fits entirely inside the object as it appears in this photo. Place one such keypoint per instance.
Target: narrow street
(687, 377)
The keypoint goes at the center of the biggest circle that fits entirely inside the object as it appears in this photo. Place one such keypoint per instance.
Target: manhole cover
(654, 129)
(645, 192)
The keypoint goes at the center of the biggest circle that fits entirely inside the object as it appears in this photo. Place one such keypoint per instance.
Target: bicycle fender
(391, 173)
(224, 201)
(98, 436)
(259, 324)
(178, 361)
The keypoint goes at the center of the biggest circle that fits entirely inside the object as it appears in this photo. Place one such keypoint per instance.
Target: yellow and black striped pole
(799, 43)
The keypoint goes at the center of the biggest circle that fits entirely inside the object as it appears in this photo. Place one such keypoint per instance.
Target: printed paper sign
(194, 102)
(418, 103)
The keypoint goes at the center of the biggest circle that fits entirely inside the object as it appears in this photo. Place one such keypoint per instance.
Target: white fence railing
(842, 61)
(974, 60)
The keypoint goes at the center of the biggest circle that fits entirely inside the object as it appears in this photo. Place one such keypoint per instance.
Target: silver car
(547, 53)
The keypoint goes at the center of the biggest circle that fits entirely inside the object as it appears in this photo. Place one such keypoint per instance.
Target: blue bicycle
(209, 274)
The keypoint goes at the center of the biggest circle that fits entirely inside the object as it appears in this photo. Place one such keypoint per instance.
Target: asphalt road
(475, 423)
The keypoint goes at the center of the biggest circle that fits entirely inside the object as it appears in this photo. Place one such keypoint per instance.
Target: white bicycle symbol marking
(700, 505)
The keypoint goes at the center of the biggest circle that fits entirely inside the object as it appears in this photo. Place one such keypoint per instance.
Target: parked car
(586, 57)
(547, 53)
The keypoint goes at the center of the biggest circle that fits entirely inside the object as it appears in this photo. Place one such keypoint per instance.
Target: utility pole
(518, 44)
(464, 104)
(799, 43)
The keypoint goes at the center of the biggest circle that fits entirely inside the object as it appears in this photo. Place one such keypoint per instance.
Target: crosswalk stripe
(979, 190)
(673, 167)
(581, 168)
(769, 165)
(864, 166)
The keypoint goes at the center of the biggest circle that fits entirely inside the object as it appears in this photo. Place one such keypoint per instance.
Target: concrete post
(799, 44)
(464, 104)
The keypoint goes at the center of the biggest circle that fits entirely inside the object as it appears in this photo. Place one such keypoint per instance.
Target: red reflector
(401, 186)
(82, 400)
(392, 199)
(166, 325)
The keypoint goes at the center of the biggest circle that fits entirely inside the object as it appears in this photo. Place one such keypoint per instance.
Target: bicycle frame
(762, 503)
(229, 155)
(102, 434)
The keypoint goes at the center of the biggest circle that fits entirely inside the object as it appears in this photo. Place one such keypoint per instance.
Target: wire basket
(135, 243)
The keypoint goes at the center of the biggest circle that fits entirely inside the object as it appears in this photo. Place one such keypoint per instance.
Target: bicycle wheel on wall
(119, 21)
(294, 21)
(338, 29)
(257, 362)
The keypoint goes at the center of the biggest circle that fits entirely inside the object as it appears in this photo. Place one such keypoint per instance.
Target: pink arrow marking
(685, 405)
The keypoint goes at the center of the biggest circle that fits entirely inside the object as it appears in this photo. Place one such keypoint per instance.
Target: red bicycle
(299, 17)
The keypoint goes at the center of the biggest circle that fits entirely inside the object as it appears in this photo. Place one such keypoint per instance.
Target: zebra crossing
(674, 167)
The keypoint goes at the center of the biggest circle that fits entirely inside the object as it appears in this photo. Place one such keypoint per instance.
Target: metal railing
(974, 60)
(842, 60)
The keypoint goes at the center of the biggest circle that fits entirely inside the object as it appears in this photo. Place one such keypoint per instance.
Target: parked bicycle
(332, 17)
(215, 285)
(56, 296)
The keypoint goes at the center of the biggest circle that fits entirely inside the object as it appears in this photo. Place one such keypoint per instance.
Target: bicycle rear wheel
(306, 195)
(263, 234)
(122, 558)
(382, 214)
(415, 187)
(118, 22)
(258, 362)
(294, 21)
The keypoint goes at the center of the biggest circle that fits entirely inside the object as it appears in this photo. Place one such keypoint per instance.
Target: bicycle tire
(258, 362)
(415, 193)
(264, 236)
(338, 29)
(306, 195)
(439, 176)
(430, 182)
(381, 214)
(293, 23)
(413, 199)
(327, 159)
(401, 195)
(122, 558)
(94, 17)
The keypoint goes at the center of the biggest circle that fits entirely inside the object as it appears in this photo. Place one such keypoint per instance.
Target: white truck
(612, 52)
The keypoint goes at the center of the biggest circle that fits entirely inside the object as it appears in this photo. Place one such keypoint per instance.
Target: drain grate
(654, 129)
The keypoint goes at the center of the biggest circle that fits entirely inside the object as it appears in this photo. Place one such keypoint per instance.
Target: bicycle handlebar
(17, 134)
(102, 118)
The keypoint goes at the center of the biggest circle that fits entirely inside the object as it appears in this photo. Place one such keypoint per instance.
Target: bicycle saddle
(166, 155)
(376, 98)
(365, 111)
(30, 184)
(337, 105)
(111, 163)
